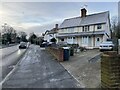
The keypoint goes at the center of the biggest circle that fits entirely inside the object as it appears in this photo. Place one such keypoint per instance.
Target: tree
(8, 33)
(115, 28)
(32, 38)
(18, 39)
(22, 35)
(118, 31)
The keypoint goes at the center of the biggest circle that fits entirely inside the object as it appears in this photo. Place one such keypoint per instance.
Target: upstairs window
(85, 28)
(99, 26)
(70, 30)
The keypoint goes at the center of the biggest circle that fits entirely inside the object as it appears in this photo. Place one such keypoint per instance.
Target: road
(6, 46)
(9, 50)
(38, 69)
(9, 58)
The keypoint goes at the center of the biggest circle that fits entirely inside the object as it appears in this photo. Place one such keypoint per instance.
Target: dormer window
(99, 26)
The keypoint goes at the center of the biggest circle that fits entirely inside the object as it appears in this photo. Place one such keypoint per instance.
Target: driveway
(38, 69)
(85, 67)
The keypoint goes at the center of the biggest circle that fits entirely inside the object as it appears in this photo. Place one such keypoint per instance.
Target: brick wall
(110, 70)
(57, 53)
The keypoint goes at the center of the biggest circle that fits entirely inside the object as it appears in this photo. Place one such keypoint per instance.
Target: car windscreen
(107, 43)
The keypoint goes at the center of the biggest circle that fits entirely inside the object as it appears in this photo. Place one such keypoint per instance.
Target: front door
(97, 41)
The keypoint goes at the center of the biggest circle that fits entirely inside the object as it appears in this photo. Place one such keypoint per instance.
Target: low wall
(57, 53)
(110, 70)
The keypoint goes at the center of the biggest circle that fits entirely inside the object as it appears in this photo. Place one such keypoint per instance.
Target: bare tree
(7, 29)
(22, 35)
(8, 34)
(114, 23)
(115, 31)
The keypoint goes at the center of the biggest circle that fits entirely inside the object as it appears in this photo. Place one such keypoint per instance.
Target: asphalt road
(6, 46)
(9, 57)
(38, 69)
(6, 51)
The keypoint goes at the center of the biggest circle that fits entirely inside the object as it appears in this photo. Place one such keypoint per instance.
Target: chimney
(56, 26)
(83, 12)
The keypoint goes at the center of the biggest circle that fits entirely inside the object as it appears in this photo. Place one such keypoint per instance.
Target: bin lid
(66, 47)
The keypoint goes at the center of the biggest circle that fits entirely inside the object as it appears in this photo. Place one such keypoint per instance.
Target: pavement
(85, 68)
(38, 69)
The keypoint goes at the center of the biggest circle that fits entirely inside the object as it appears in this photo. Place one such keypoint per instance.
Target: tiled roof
(89, 19)
(53, 31)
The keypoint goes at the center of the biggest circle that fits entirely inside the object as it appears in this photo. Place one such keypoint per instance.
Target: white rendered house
(86, 30)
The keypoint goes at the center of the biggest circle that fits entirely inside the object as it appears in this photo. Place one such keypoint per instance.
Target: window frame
(99, 26)
(86, 28)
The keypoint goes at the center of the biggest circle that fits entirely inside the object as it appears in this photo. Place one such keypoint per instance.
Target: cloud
(42, 28)
(60, 0)
(40, 16)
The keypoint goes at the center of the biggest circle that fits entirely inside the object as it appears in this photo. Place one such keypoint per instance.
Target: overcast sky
(40, 16)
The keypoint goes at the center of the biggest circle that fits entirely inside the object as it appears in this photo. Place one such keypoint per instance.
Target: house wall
(79, 29)
(103, 27)
(91, 28)
(93, 39)
(97, 43)
(108, 26)
(89, 42)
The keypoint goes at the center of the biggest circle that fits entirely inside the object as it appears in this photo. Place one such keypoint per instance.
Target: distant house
(49, 34)
(85, 30)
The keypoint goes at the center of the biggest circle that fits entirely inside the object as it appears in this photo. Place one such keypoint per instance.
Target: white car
(108, 45)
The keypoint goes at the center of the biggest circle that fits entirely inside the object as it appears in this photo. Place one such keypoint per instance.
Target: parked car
(106, 46)
(44, 44)
(23, 45)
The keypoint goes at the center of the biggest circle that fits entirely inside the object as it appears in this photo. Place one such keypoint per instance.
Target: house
(49, 34)
(86, 30)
